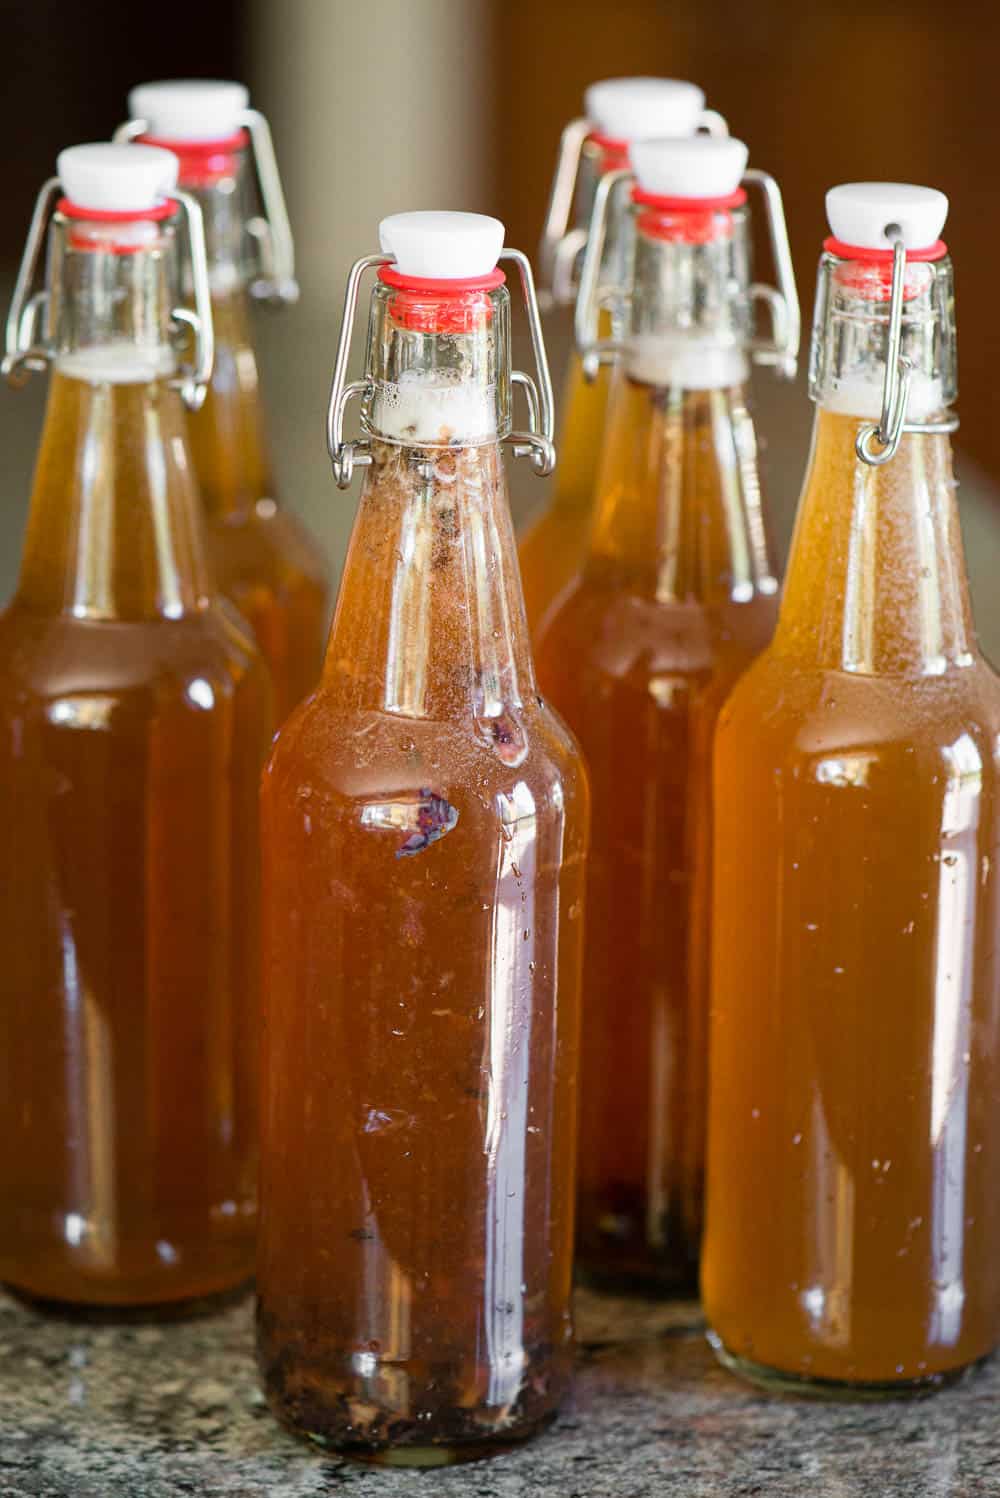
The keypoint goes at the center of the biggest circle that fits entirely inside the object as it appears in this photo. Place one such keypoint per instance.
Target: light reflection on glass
(512, 947)
(956, 929)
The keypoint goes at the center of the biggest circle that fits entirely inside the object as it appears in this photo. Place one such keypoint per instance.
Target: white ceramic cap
(117, 178)
(860, 212)
(693, 166)
(190, 108)
(442, 246)
(639, 108)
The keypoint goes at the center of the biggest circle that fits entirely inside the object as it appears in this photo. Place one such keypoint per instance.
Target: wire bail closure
(28, 350)
(272, 230)
(888, 431)
(560, 247)
(536, 443)
(779, 351)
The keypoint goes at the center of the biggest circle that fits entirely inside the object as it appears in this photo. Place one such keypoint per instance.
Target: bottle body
(135, 716)
(266, 562)
(675, 599)
(852, 1224)
(424, 827)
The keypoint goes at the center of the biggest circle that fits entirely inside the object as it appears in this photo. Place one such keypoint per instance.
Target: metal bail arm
(594, 350)
(537, 442)
(23, 352)
(888, 431)
(193, 382)
(560, 246)
(272, 230)
(782, 349)
(345, 456)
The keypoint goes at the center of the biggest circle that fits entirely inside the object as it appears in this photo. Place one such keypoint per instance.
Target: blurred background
(395, 104)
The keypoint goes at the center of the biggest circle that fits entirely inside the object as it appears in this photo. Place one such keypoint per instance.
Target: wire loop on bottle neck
(778, 351)
(29, 350)
(271, 231)
(878, 442)
(560, 246)
(536, 442)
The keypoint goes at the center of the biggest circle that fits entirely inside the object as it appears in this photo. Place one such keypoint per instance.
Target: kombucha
(424, 834)
(853, 1237)
(553, 544)
(134, 718)
(676, 598)
(264, 558)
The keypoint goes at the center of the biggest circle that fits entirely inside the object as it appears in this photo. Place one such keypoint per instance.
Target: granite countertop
(153, 1410)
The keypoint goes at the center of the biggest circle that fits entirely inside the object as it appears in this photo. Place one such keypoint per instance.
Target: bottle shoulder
(45, 657)
(607, 631)
(347, 752)
(802, 710)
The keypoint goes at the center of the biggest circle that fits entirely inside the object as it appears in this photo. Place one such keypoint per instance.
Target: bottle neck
(227, 434)
(430, 619)
(876, 582)
(686, 322)
(680, 514)
(114, 529)
(220, 181)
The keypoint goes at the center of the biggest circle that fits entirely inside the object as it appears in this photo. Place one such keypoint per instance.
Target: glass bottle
(134, 719)
(676, 596)
(617, 111)
(266, 561)
(853, 1238)
(424, 833)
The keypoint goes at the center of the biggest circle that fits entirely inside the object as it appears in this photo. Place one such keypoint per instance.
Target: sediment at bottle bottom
(440, 1426)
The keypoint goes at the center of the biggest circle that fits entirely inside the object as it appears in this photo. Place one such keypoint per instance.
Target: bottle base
(447, 1454)
(834, 1390)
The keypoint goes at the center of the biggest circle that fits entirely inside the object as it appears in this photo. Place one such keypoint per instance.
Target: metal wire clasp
(535, 443)
(272, 230)
(780, 350)
(28, 348)
(888, 431)
(560, 246)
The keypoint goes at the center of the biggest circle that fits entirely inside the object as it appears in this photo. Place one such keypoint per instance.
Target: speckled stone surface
(156, 1410)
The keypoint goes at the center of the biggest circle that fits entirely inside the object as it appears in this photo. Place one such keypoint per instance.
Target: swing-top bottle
(424, 832)
(676, 595)
(853, 1230)
(262, 554)
(617, 112)
(134, 717)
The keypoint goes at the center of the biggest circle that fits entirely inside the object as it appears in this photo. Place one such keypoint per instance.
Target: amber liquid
(676, 597)
(553, 545)
(133, 721)
(264, 558)
(854, 1220)
(424, 829)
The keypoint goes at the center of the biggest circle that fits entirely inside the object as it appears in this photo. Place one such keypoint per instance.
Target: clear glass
(425, 825)
(439, 365)
(134, 718)
(265, 559)
(853, 1238)
(851, 322)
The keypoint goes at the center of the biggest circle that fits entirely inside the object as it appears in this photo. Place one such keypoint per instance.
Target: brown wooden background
(822, 93)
